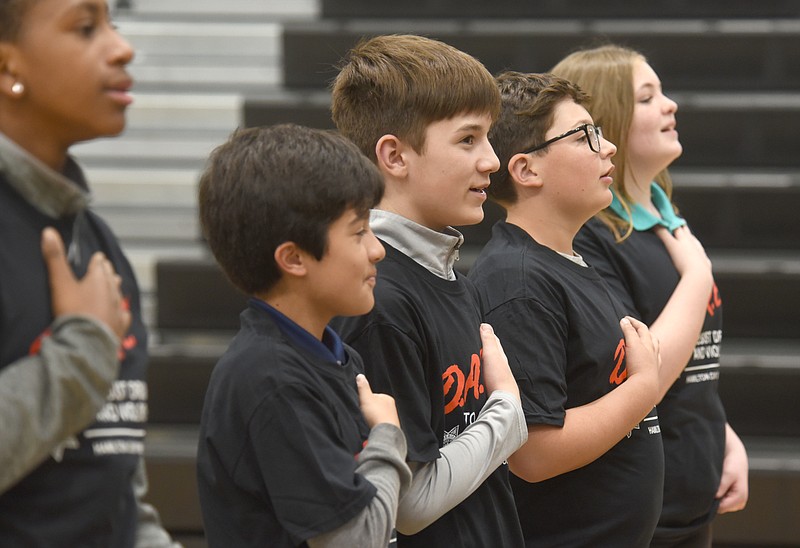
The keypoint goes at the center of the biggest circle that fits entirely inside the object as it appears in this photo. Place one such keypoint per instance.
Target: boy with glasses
(591, 472)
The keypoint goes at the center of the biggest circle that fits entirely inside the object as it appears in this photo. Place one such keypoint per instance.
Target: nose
(607, 148)
(670, 106)
(489, 162)
(375, 250)
(121, 50)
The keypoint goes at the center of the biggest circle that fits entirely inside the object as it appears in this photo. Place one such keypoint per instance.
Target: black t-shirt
(559, 325)
(421, 344)
(82, 495)
(279, 436)
(640, 271)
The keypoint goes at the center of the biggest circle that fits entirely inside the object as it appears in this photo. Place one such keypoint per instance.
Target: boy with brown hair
(421, 110)
(591, 472)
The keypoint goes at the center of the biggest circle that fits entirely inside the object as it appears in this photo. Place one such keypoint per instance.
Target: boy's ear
(389, 150)
(291, 259)
(523, 169)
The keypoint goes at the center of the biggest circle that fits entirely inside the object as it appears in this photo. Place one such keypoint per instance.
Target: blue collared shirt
(330, 348)
(643, 219)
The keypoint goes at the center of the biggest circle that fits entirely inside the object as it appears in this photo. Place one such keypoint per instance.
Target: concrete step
(233, 10)
(171, 457)
(142, 188)
(581, 9)
(184, 111)
(759, 384)
(174, 131)
(198, 39)
(151, 150)
(770, 518)
(206, 54)
(746, 54)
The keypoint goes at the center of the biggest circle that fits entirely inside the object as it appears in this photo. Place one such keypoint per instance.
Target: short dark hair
(400, 84)
(528, 104)
(269, 185)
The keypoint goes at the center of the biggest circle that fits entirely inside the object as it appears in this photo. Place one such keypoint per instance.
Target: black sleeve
(534, 339)
(305, 463)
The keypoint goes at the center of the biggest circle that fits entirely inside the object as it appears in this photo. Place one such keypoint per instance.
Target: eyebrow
(579, 123)
(358, 219)
(94, 8)
(470, 127)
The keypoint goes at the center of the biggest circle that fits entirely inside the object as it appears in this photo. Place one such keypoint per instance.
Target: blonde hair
(606, 74)
(400, 84)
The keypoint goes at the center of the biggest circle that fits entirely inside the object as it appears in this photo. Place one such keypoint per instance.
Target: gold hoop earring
(17, 88)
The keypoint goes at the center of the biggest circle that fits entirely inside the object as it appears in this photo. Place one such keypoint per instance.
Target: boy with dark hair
(421, 110)
(294, 447)
(588, 380)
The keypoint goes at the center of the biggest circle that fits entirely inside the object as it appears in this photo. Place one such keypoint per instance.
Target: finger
(683, 235)
(126, 321)
(487, 334)
(731, 501)
(55, 257)
(490, 342)
(363, 386)
(636, 323)
(665, 236)
(727, 486)
(632, 326)
(628, 331)
(99, 265)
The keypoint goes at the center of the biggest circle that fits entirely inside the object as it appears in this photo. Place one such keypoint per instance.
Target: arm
(306, 449)
(466, 462)
(681, 320)
(497, 432)
(382, 463)
(733, 487)
(49, 396)
(592, 429)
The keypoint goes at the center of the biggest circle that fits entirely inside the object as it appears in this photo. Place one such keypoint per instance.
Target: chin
(675, 150)
(363, 307)
(472, 218)
(113, 124)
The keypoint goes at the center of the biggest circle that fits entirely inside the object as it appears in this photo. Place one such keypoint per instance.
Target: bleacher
(204, 68)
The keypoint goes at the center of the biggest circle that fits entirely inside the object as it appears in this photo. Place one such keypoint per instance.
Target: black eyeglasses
(593, 136)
